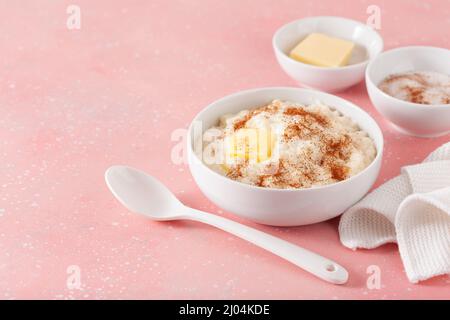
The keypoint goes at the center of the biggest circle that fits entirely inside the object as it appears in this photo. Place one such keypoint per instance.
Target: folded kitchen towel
(412, 209)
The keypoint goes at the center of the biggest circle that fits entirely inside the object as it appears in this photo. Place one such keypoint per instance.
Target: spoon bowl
(142, 193)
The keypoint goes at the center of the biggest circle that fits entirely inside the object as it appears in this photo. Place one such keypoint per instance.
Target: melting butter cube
(321, 50)
(255, 145)
(225, 168)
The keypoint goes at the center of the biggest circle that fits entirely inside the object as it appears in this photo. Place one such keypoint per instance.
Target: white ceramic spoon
(143, 194)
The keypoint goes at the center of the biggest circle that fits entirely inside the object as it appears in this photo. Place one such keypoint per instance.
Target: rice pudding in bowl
(409, 86)
(270, 205)
(422, 87)
(286, 144)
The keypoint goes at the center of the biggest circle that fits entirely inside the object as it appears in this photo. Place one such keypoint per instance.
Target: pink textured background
(74, 102)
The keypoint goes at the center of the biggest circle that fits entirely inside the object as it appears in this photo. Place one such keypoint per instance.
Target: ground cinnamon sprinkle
(309, 125)
(416, 95)
(235, 172)
(337, 148)
(339, 172)
(241, 123)
(407, 76)
(260, 182)
(418, 87)
(296, 111)
(291, 131)
(335, 151)
(281, 176)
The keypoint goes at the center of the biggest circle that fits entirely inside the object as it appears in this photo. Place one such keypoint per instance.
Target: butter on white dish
(368, 44)
(289, 145)
(422, 87)
(322, 50)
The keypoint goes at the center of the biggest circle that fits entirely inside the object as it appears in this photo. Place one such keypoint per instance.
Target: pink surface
(74, 102)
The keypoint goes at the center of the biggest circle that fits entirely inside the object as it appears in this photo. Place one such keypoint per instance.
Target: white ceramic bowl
(326, 79)
(410, 118)
(279, 207)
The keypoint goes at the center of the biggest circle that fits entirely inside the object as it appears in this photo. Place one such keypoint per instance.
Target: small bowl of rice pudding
(410, 86)
(284, 156)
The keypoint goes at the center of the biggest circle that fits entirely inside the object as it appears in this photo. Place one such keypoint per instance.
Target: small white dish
(368, 45)
(410, 118)
(281, 207)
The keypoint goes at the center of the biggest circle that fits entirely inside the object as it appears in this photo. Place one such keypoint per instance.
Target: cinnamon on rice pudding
(422, 87)
(287, 145)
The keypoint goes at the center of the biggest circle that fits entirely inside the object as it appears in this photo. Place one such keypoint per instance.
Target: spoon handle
(319, 266)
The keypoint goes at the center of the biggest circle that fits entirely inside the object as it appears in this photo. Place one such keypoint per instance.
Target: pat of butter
(324, 51)
(254, 145)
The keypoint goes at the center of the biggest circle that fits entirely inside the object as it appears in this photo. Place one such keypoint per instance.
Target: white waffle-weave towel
(412, 209)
